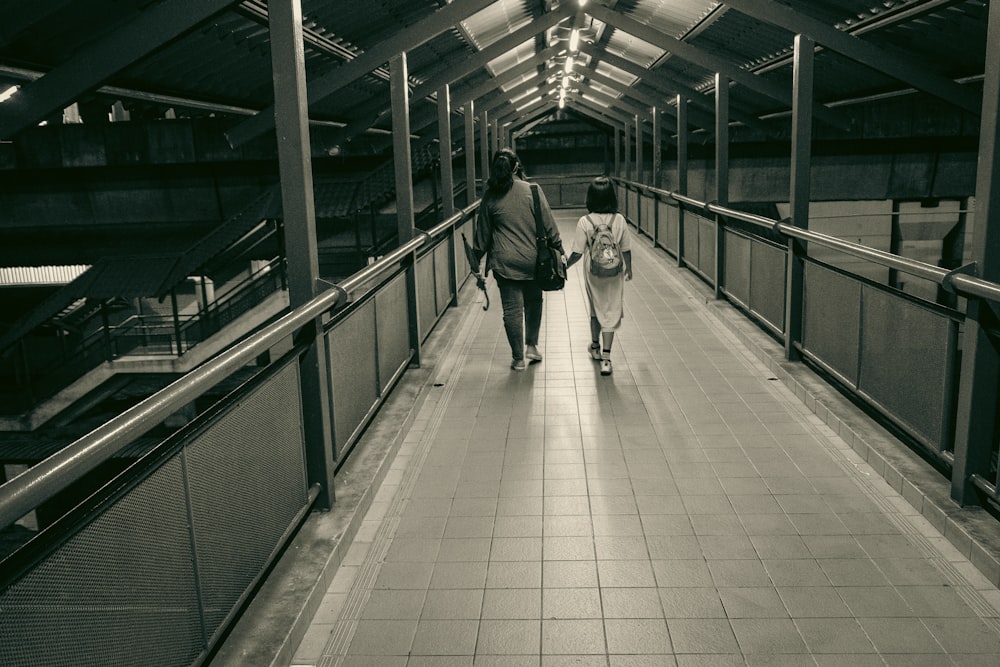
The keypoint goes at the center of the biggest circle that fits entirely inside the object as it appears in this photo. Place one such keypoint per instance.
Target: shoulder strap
(539, 230)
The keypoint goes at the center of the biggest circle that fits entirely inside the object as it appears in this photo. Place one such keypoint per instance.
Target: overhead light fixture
(583, 3)
(569, 64)
(9, 93)
(565, 82)
(574, 39)
(562, 102)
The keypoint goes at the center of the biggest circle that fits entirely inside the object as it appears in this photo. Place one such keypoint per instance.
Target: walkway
(686, 510)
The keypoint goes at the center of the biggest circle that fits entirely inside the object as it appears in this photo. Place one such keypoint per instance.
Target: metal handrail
(42, 481)
(961, 283)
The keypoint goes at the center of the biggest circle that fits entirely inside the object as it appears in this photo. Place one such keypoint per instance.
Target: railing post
(657, 178)
(628, 157)
(447, 183)
(470, 154)
(976, 419)
(638, 155)
(177, 321)
(721, 173)
(799, 192)
(291, 126)
(400, 93)
(682, 172)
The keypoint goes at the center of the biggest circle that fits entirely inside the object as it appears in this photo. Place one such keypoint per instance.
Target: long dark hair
(503, 169)
(601, 197)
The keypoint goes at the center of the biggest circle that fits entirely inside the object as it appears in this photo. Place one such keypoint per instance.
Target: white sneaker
(518, 365)
(605, 367)
(532, 354)
(595, 353)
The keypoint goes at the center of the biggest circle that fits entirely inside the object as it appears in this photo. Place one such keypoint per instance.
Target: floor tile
(686, 512)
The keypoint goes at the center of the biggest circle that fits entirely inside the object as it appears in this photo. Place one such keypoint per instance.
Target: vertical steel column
(403, 163)
(628, 151)
(978, 391)
(445, 150)
(802, 121)
(638, 152)
(657, 181)
(484, 146)
(447, 182)
(291, 124)
(657, 150)
(682, 171)
(721, 173)
(496, 136)
(470, 154)
(618, 160)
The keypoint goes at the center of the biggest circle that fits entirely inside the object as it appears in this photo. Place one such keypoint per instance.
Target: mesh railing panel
(247, 482)
(119, 592)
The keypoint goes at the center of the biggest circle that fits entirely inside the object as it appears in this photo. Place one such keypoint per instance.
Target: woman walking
(602, 239)
(505, 233)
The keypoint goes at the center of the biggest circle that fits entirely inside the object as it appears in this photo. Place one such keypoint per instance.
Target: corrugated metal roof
(224, 61)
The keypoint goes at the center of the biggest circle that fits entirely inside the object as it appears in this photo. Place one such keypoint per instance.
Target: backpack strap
(539, 230)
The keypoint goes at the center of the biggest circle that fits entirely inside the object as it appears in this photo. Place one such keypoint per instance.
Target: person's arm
(482, 240)
(626, 247)
(549, 222)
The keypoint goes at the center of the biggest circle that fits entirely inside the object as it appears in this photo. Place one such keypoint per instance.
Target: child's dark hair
(503, 169)
(601, 197)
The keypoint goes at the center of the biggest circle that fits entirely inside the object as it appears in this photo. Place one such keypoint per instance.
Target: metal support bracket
(970, 269)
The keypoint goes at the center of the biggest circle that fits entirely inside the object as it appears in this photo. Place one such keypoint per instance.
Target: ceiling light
(562, 102)
(569, 64)
(565, 82)
(574, 40)
(7, 94)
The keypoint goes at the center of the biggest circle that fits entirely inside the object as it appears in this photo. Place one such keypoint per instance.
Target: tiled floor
(687, 510)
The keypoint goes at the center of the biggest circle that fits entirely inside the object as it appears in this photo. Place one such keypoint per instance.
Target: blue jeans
(522, 313)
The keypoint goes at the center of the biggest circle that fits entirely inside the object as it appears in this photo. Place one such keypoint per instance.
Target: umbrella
(474, 269)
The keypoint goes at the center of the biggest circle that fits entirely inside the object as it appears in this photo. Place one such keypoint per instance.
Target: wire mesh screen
(831, 314)
(425, 294)
(353, 369)
(393, 330)
(767, 283)
(907, 355)
(669, 216)
(648, 215)
(247, 482)
(121, 591)
(736, 272)
(442, 279)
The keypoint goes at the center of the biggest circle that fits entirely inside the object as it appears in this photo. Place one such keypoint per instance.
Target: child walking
(602, 241)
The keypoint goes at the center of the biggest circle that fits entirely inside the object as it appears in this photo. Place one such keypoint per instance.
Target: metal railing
(898, 353)
(227, 490)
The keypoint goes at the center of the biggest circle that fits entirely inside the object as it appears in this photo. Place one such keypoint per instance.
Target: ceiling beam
(508, 75)
(671, 89)
(96, 63)
(600, 118)
(712, 63)
(918, 75)
(19, 16)
(405, 40)
(492, 52)
(576, 99)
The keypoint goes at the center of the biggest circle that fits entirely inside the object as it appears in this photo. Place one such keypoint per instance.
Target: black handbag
(550, 272)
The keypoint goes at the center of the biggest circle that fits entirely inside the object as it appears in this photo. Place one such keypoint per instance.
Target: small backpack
(605, 256)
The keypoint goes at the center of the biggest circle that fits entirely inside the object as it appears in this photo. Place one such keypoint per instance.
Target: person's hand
(564, 259)
(628, 275)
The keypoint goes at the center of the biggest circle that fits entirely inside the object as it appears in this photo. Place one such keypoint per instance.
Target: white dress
(605, 295)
